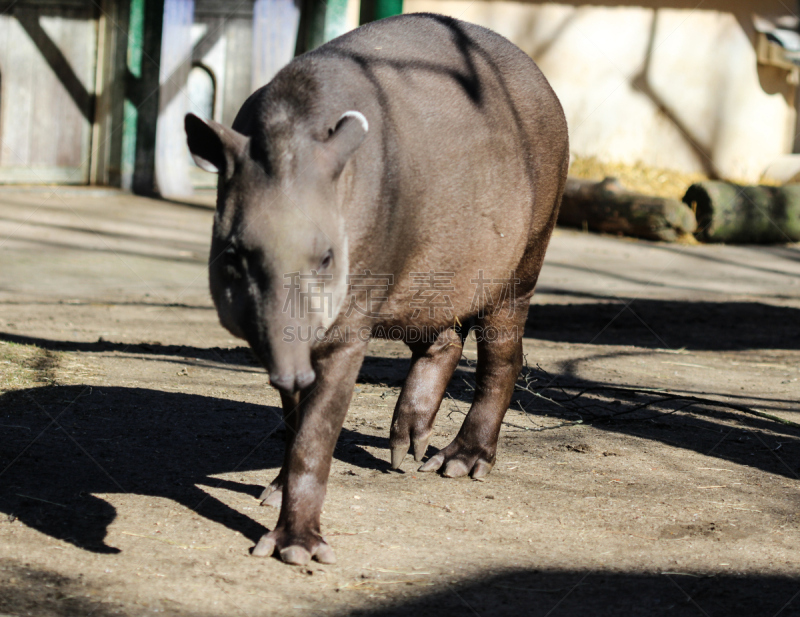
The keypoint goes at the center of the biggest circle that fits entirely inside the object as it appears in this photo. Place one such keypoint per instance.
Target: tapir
(401, 180)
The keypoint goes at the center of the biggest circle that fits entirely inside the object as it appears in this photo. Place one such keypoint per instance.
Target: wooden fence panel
(48, 52)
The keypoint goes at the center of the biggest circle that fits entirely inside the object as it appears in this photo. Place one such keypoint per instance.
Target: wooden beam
(146, 92)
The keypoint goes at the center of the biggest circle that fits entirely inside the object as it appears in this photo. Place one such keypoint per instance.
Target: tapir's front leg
(273, 494)
(320, 414)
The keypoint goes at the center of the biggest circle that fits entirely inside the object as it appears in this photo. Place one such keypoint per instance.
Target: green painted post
(372, 10)
(387, 8)
(148, 99)
(321, 21)
(130, 113)
(315, 26)
(335, 19)
(140, 114)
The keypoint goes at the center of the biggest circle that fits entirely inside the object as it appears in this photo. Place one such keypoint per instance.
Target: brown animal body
(402, 179)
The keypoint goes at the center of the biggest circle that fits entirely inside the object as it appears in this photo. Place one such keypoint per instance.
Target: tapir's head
(278, 265)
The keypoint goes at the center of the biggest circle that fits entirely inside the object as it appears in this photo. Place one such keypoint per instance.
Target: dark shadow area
(25, 590)
(722, 432)
(532, 593)
(711, 326)
(582, 593)
(704, 423)
(237, 356)
(60, 444)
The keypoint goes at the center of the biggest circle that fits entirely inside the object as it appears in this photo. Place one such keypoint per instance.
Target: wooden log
(608, 207)
(737, 214)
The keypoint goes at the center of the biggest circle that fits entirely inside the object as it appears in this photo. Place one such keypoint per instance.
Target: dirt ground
(633, 477)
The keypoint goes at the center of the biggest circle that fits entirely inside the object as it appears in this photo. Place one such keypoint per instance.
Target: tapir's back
(472, 141)
(467, 148)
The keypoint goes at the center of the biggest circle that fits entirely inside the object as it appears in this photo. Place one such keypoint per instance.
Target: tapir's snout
(288, 363)
(292, 382)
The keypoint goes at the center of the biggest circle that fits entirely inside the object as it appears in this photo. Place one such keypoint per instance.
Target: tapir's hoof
(455, 461)
(419, 446)
(294, 554)
(325, 554)
(433, 463)
(399, 453)
(271, 497)
(273, 494)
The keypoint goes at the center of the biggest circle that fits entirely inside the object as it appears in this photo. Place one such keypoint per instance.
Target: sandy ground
(632, 477)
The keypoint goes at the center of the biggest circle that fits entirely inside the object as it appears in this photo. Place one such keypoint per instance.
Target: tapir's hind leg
(499, 361)
(432, 366)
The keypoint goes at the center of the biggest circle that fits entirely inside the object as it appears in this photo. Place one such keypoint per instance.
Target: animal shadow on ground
(707, 422)
(61, 445)
(709, 326)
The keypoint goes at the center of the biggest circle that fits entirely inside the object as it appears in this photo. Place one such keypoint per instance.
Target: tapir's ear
(214, 147)
(347, 136)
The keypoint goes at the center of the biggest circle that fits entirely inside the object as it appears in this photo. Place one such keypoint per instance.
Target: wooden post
(320, 21)
(110, 98)
(145, 91)
(372, 10)
(130, 112)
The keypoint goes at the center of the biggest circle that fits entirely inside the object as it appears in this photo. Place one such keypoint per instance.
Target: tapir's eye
(326, 261)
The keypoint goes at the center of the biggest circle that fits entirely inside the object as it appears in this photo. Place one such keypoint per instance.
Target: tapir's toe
(401, 437)
(455, 468)
(295, 555)
(399, 453)
(324, 553)
(481, 469)
(273, 494)
(265, 546)
(433, 463)
(420, 446)
(274, 499)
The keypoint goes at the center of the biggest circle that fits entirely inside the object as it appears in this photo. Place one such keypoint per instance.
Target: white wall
(674, 88)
